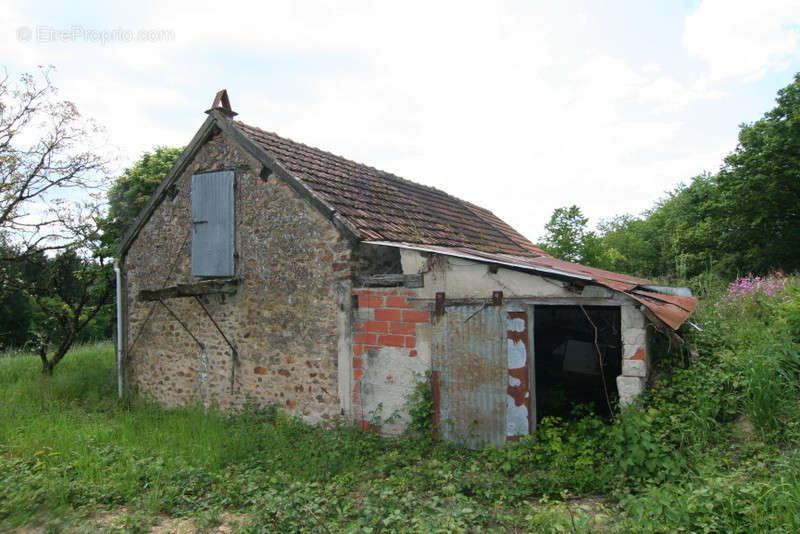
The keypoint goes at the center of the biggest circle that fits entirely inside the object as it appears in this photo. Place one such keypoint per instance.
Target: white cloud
(503, 104)
(742, 38)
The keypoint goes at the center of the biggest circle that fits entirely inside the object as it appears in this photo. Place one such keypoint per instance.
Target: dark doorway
(569, 375)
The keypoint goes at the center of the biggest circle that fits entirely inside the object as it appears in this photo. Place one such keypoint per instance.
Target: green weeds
(712, 447)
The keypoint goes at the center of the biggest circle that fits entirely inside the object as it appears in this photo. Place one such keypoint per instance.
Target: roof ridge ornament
(223, 104)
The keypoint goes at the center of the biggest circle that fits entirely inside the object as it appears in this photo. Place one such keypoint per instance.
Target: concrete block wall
(635, 356)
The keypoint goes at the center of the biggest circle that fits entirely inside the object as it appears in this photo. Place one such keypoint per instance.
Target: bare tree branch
(49, 171)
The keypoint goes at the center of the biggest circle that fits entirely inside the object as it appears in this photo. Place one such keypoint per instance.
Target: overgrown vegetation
(713, 447)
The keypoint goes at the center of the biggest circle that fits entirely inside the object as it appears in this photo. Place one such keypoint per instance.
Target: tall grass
(66, 441)
(714, 446)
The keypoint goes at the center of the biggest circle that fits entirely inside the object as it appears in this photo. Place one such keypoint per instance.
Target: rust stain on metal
(436, 400)
(671, 309)
(518, 409)
(497, 298)
(439, 309)
(473, 374)
(672, 315)
(687, 303)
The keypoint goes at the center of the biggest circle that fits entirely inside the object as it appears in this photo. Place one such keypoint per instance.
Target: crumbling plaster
(386, 375)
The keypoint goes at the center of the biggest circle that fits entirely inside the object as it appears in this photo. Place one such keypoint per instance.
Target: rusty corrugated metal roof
(671, 309)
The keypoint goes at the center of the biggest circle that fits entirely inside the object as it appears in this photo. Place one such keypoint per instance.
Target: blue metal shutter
(212, 224)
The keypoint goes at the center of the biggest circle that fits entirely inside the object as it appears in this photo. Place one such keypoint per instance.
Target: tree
(131, 191)
(565, 233)
(675, 240)
(759, 190)
(70, 291)
(569, 239)
(15, 306)
(742, 220)
(45, 161)
(49, 172)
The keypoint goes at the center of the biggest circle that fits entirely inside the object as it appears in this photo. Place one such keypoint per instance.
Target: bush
(676, 461)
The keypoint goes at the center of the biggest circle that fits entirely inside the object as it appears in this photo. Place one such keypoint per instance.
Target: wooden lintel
(412, 281)
(209, 287)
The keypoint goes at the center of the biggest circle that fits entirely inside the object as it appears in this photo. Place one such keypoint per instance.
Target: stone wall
(283, 318)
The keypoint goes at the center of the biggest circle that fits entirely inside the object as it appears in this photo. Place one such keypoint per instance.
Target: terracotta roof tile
(382, 206)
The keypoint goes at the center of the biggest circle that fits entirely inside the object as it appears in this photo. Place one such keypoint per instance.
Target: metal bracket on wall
(234, 350)
(178, 256)
(439, 308)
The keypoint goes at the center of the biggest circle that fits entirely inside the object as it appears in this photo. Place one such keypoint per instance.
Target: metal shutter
(469, 353)
(212, 224)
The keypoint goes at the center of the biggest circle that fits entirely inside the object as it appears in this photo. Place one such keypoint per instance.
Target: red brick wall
(387, 318)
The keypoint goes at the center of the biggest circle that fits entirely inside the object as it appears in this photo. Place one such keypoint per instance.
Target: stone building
(263, 270)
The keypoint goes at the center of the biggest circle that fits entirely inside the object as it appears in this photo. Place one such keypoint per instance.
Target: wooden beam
(390, 280)
(209, 287)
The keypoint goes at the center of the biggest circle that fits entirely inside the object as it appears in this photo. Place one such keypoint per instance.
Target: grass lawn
(713, 447)
(74, 458)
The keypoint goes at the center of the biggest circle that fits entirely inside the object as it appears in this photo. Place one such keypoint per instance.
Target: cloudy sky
(521, 107)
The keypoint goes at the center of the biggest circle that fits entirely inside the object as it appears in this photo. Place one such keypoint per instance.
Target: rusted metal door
(481, 366)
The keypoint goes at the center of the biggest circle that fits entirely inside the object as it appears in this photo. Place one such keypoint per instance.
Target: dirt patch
(122, 520)
(590, 504)
(743, 428)
(227, 525)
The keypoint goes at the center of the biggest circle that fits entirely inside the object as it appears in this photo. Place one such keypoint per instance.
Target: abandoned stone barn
(263, 270)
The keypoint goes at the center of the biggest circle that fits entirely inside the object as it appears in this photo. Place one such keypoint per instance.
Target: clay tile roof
(385, 207)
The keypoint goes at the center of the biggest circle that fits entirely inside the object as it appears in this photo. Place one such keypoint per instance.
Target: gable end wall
(292, 265)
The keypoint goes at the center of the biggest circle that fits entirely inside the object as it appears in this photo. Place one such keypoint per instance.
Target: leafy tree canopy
(568, 238)
(131, 191)
(745, 219)
(759, 191)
